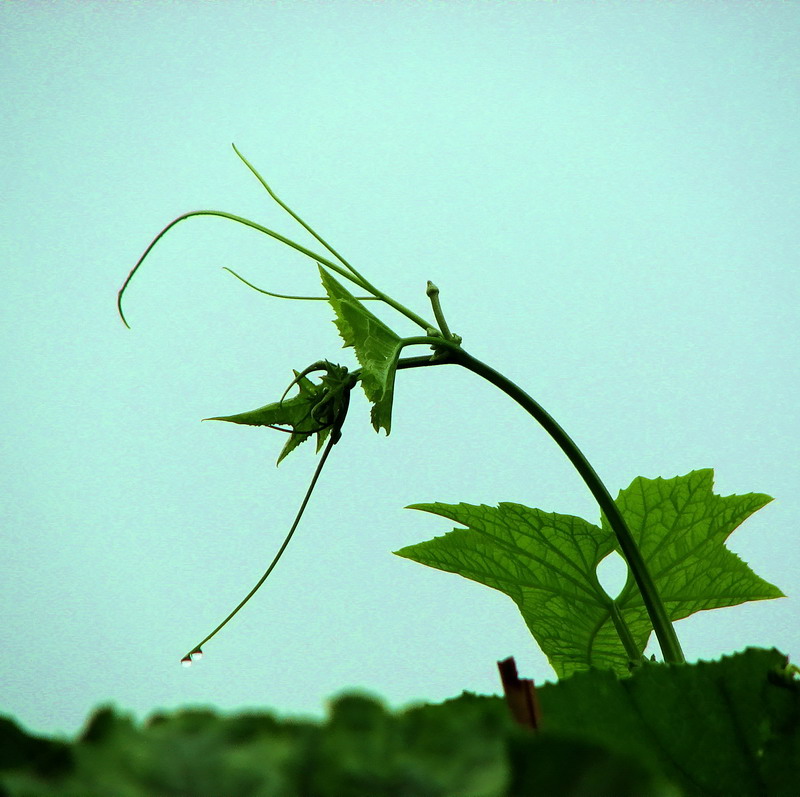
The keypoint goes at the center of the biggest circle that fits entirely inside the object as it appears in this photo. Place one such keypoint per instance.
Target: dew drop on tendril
(195, 655)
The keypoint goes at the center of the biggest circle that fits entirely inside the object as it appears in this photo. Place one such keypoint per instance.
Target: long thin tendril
(287, 296)
(297, 218)
(356, 277)
(320, 365)
(336, 434)
(346, 270)
(247, 223)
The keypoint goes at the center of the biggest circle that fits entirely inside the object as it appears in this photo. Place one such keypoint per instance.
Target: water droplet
(196, 655)
(186, 661)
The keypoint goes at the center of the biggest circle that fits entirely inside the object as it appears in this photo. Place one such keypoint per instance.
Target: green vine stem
(624, 633)
(447, 349)
(665, 633)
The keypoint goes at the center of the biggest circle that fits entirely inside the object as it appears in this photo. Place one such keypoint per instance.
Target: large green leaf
(294, 412)
(726, 728)
(377, 348)
(713, 729)
(547, 564)
(681, 526)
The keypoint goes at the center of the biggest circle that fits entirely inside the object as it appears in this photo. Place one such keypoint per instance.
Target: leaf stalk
(664, 630)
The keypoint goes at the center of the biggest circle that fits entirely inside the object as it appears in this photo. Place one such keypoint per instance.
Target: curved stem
(665, 633)
(416, 362)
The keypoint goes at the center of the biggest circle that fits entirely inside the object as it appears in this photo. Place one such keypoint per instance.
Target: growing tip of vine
(119, 306)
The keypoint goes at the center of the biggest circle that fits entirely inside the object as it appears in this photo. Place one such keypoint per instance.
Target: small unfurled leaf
(377, 348)
(547, 564)
(294, 412)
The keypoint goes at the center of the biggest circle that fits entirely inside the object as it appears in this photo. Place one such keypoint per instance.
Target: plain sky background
(607, 196)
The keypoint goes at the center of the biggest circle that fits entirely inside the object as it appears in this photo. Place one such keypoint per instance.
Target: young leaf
(377, 348)
(295, 412)
(547, 563)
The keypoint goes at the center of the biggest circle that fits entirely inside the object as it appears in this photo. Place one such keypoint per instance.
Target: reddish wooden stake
(520, 695)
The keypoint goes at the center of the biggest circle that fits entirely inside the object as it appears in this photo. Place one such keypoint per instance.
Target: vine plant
(670, 532)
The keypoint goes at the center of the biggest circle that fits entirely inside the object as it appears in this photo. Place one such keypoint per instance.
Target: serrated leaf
(294, 412)
(681, 526)
(377, 348)
(726, 728)
(547, 564)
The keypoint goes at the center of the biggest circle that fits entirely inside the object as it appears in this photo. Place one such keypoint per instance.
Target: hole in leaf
(612, 573)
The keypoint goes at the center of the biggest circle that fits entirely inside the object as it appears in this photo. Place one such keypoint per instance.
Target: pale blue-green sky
(607, 196)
